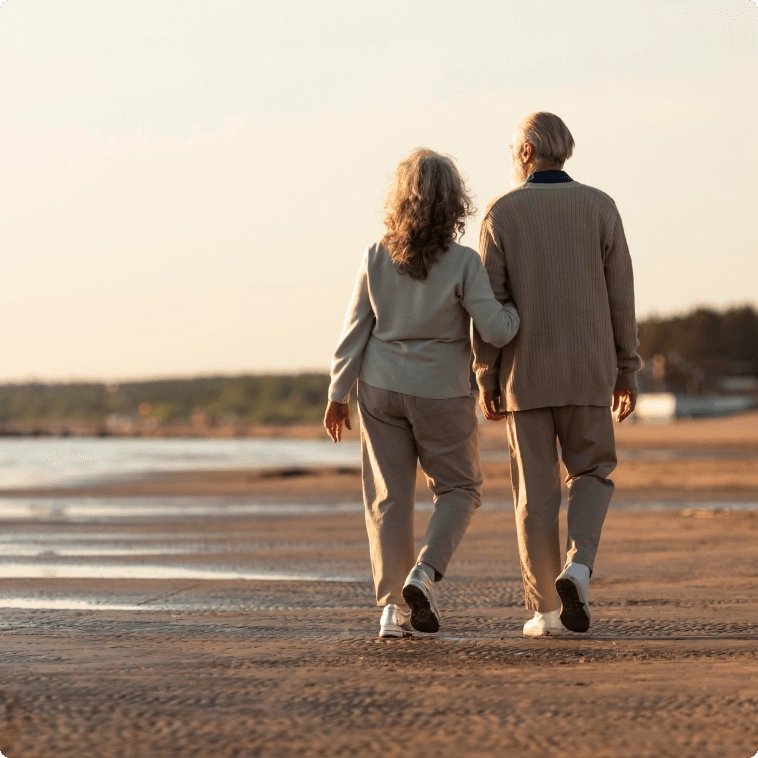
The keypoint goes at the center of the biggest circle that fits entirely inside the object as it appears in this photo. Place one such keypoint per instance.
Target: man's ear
(527, 152)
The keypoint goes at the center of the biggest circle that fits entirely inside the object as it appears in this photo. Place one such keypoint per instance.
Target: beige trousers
(588, 450)
(397, 431)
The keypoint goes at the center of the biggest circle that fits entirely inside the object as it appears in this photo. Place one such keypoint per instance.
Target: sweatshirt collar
(550, 176)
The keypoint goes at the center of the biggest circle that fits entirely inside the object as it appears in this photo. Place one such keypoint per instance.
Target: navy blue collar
(549, 176)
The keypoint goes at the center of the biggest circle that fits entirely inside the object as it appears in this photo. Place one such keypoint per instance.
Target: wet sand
(231, 614)
(293, 668)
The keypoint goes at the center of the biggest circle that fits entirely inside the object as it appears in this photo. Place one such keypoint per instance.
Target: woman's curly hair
(426, 209)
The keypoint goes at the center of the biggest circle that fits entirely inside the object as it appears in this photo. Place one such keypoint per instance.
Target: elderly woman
(406, 340)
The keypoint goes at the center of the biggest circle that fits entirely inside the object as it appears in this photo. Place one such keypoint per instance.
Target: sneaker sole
(574, 614)
(423, 618)
(546, 633)
(392, 631)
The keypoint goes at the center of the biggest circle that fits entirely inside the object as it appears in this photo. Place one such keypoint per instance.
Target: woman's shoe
(573, 589)
(421, 596)
(544, 625)
(395, 622)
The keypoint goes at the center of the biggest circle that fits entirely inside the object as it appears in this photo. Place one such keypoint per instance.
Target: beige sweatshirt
(558, 251)
(413, 336)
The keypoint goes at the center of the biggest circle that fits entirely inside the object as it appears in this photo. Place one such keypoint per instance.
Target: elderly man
(556, 248)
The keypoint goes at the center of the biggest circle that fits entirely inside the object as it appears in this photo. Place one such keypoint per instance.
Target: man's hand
(336, 415)
(624, 402)
(490, 402)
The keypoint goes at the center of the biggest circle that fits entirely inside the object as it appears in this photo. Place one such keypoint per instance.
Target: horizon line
(5, 382)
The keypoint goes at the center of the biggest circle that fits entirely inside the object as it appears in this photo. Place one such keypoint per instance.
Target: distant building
(673, 387)
(666, 406)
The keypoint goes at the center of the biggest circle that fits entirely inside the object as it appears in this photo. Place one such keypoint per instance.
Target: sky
(187, 188)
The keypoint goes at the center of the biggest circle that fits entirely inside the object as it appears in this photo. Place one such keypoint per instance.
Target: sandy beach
(293, 668)
(231, 613)
(219, 219)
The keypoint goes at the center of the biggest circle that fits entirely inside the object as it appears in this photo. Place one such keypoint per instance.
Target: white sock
(428, 570)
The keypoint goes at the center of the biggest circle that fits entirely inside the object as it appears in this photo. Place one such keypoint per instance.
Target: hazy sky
(188, 187)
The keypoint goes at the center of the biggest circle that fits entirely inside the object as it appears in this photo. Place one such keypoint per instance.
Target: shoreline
(697, 480)
(727, 432)
(719, 464)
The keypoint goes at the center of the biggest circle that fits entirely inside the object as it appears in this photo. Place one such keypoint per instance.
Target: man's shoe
(421, 596)
(573, 588)
(395, 622)
(544, 625)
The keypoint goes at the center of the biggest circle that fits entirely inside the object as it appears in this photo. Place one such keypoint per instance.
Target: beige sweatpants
(588, 450)
(397, 431)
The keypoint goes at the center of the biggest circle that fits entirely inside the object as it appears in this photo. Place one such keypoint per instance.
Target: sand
(733, 478)
(215, 667)
(670, 667)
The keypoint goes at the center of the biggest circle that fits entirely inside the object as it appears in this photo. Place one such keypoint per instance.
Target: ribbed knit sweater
(558, 251)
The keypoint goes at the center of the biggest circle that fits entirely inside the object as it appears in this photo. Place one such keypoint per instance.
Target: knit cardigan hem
(554, 397)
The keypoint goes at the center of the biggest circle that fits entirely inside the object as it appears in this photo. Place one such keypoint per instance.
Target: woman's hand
(336, 414)
(490, 403)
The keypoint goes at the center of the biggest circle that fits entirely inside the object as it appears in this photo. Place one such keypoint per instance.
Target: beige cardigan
(558, 251)
(412, 336)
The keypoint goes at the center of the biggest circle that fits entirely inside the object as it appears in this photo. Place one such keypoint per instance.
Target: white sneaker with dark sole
(395, 622)
(573, 589)
(544, 625)
(421, 596)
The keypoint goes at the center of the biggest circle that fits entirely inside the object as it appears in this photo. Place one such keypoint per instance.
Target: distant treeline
(704, 338)
(724, 341)
(252, 399)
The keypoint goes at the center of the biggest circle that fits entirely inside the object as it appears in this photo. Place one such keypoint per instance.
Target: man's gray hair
(550, 137)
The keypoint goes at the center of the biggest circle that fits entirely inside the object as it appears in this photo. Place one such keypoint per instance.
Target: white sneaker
(573, 587)
(395, 622)
(544, 625)
(421, 596)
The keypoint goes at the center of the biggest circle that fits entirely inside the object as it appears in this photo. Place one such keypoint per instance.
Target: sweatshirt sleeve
(496, 324)
(359, 322)
(619, 279)
(486, 354)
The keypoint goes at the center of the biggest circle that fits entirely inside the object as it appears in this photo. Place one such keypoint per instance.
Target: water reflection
(18, 570)
(45, 462)
(41, 462)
